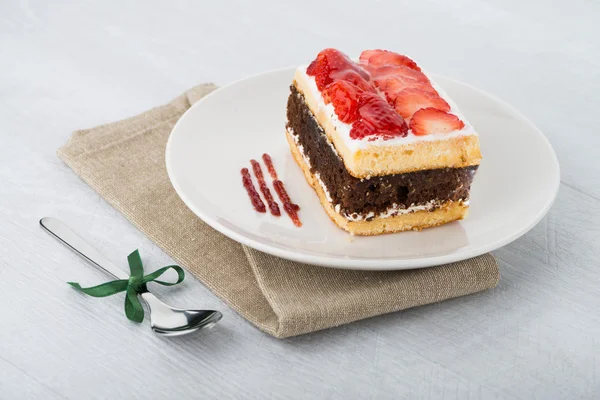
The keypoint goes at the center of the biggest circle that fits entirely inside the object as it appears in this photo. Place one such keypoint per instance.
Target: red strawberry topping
(362, 129)
(430, 120)
(320, 70)
(328, 63)
(354, 78)
(410, 100)
(344, 97)
(377, 58)
(397, 70)
(404, 92)
(377, 117)
(338, 61)
(392, 85)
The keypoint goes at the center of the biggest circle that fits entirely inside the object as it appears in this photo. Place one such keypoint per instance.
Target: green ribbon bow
(136, 284)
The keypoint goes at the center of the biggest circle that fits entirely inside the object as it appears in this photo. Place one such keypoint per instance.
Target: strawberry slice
(377, 118)
(344, 97)
(320, 70)
(392, 85)
(338, 61)
(352, 77)
(410, 100)
(397, 70)
(378, 113)
(430, 120)
(329, 62)
(362, 129)
(377, 58)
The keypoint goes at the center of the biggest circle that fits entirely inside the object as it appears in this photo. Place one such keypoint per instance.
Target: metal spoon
(164, 319)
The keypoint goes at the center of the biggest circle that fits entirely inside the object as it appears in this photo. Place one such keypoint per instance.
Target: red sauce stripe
(264, 189)
(289, 207)
(269, 163)
(257, 202)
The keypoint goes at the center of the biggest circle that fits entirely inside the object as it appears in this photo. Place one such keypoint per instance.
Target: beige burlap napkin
(124, 163)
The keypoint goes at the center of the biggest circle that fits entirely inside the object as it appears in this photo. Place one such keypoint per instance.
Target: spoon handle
(80, 246)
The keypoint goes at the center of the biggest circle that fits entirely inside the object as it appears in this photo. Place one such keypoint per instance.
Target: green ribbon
(136, 284)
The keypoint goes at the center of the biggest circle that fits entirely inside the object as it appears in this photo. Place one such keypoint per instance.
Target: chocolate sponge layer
(377, 194)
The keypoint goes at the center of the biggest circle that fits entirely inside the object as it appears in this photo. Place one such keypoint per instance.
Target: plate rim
(354, 263)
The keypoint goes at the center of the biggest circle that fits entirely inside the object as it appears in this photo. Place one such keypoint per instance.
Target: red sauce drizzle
(264, 189)
(257, 202)
(269, 163)
(290, 208)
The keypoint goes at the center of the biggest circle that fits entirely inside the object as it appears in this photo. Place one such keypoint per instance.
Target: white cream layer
(392, 211)
(343, 129)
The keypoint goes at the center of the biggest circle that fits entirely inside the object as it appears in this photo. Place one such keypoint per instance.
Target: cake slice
(383, 146)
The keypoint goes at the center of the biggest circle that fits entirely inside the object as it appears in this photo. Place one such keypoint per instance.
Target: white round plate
(513, 189)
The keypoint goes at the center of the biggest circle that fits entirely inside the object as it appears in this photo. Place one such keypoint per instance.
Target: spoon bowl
(171, 321)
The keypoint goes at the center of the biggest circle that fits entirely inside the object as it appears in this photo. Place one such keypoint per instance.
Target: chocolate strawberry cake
(380, 142)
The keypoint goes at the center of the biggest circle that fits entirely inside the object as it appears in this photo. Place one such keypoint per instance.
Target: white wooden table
(69, 65)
